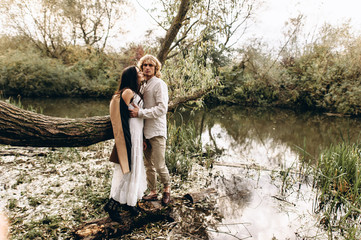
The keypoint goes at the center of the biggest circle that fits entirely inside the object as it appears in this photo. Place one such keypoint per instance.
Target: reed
(184, 147)
(338, 181)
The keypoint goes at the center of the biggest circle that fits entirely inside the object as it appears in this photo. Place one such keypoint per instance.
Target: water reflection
(260, 194)
(270, 135)
(68, 107)
(254, 208)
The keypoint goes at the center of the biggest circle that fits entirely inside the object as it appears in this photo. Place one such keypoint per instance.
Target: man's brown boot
(166, 198)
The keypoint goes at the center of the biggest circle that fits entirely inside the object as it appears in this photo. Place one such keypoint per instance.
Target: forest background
(61, 49)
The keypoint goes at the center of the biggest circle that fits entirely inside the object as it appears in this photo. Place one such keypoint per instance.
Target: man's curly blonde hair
(154, 61)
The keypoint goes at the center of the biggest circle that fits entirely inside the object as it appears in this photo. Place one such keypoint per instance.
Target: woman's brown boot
(111, 207)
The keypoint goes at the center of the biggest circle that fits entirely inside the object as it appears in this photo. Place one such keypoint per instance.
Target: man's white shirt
(155, 96)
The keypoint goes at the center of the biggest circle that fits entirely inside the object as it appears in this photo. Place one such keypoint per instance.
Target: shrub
(325, 75)
(30, 75)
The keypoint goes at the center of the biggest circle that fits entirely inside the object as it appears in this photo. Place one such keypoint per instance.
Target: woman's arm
(127, 95)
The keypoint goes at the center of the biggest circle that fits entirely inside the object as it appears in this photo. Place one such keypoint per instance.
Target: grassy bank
(28, 74)
(46, 197)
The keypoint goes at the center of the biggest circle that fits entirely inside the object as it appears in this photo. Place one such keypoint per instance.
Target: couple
(135, 110)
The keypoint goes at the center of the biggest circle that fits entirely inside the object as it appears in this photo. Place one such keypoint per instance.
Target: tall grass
(184, 148)
(338, 179)
(19, 104)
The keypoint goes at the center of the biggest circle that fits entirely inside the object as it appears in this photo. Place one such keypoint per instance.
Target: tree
(93, 20)
(199, 34)
(19, 127)
(210, 27)
(173, 30)
(52, 26)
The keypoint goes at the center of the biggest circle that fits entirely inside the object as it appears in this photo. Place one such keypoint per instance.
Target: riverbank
(48, 192)
(321, 76)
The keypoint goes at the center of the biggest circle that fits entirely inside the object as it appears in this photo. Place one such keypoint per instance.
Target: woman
(129, 178)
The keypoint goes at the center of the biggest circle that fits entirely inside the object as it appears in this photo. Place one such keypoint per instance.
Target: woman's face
(140, 76)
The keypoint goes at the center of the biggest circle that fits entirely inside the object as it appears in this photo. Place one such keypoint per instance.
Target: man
(155, 95)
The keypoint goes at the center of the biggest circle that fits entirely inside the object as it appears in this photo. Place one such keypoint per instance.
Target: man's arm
(161, 108)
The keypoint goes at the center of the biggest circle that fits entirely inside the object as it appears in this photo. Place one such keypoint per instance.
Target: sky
(316, 14)
(271, 18)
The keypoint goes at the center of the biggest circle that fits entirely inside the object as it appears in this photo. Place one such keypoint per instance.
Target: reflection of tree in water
(68, 107)
(309, 131)
(234, 194)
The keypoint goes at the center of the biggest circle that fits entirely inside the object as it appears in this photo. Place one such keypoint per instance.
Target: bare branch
(155, 20)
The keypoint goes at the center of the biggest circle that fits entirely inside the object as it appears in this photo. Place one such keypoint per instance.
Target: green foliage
(182, 144)
(253, 81)
(84, 72)
(212, 25)
(35, 229)
(185, 76)
(184, 148)
(28, 74)
(338, 179)
(327, 75)
(53, 26)
(324, 76)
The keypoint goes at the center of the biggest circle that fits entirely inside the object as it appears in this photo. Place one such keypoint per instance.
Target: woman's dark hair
(129, 79)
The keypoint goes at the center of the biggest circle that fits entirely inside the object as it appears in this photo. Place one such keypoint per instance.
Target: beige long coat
(119, 153)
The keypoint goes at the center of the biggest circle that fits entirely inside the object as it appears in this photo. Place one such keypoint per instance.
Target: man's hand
(134, 112)
(144, 146)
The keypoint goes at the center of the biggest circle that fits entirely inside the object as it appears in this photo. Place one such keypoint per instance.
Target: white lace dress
(130, 187)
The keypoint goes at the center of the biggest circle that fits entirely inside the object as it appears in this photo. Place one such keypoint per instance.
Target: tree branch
(173, 30)
(196, 95)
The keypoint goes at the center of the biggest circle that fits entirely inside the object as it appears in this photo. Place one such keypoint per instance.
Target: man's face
(148, 69)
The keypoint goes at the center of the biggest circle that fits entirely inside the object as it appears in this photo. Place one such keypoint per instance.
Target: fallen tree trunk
(105, 228)
(180, 211)
(19, 127)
